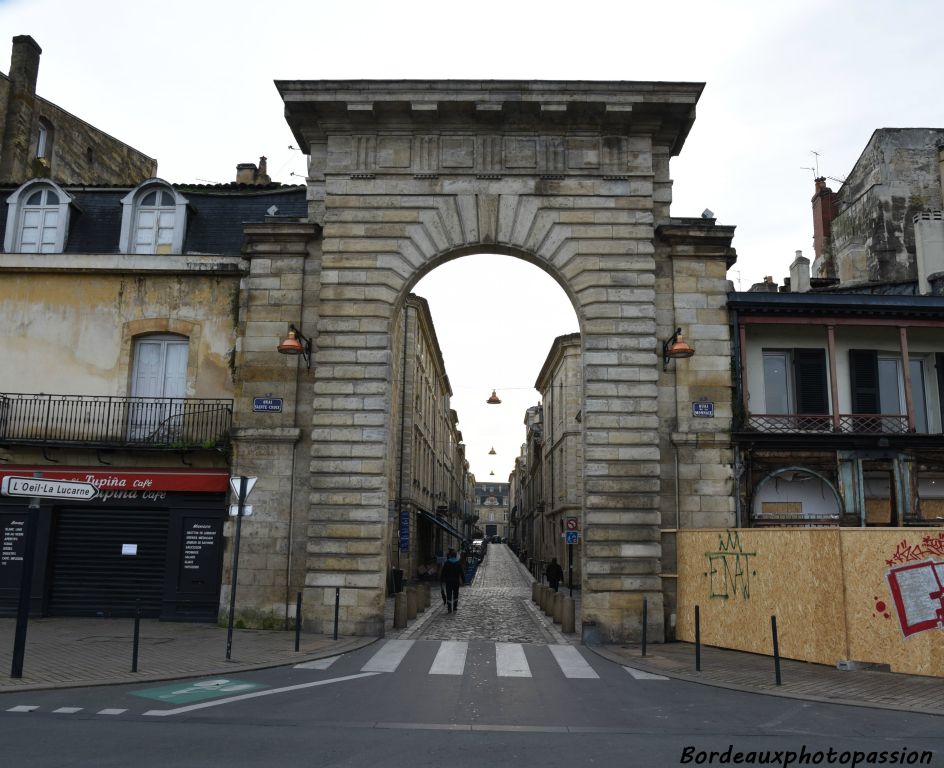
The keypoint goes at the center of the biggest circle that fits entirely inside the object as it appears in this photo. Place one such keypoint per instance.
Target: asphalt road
(432, 702)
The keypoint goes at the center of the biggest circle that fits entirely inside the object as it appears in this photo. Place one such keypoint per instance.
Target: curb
(617, 658)
(354, 644)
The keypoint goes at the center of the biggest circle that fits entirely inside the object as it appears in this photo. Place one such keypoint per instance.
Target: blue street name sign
(267, 404)
(404, 530)
(703, 409)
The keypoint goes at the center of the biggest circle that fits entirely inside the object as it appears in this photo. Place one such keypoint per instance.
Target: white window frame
(787, 356)
(919, 382)
(129, 215)
(16, 204)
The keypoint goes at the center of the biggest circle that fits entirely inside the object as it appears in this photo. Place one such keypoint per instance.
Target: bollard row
(556, 605)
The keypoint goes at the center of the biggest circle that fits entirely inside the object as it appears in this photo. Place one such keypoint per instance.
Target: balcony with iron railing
(844, 424)
(115, 422)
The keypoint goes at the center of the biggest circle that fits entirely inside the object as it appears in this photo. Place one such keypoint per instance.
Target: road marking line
(253, 695)
(640, 675)
(111, 711)
(66, 710)
(388, 658)
(318, 663)
(510, 660)
(572, 664)
(23, 708)
(450, 660)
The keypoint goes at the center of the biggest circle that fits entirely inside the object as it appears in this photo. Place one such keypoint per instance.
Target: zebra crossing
(437, 659)
(452, 657)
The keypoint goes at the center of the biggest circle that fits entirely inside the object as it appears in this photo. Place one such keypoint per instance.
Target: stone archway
(571, 176)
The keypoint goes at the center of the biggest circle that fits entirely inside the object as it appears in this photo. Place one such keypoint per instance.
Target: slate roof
(215, 220)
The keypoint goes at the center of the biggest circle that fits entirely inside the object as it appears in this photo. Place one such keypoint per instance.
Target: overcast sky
(190, 83)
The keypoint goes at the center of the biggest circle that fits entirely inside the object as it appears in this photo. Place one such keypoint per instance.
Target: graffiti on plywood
(916, 581)
(729, 568)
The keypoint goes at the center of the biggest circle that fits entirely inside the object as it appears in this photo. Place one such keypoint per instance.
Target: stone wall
(281, 288)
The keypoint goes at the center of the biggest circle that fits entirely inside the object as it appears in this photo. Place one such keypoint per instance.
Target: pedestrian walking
(451, 576)
(554, 573)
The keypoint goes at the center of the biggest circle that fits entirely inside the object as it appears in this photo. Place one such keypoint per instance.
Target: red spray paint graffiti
(916, 581)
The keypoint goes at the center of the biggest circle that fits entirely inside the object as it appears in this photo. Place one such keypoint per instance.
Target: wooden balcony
(115, 422)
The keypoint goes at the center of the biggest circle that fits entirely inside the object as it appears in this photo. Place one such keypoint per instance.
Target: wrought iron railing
(109, 422)
(849, 424)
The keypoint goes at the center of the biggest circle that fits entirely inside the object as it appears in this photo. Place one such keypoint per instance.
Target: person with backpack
(451, 576)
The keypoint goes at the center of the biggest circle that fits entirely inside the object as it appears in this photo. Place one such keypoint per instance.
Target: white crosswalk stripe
(388, 658)
(572, 664)
(23, 708)
(450, 660)
(510, 660)
(67, 710)
(111, 711)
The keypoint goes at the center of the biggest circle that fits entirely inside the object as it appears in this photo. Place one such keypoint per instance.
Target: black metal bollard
(298, 620)
(137, 635)
(337, 608)
(645, 622)
(773, 630)
(697, 639)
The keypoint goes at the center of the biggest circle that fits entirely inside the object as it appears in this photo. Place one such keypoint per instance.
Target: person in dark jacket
(451, 576)
(554, 573)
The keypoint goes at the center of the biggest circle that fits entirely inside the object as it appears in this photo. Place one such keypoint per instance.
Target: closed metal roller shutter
(91, 576)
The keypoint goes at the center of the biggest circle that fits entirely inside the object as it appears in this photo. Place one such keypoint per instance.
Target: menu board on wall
(200, 554)
(12, 547)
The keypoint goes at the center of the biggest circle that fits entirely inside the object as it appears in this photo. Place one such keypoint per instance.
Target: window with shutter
(810, 383)
(863, 367)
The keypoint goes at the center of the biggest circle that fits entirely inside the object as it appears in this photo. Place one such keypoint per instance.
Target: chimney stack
(248, 173)
(24, 63)
(929, 248)
(800, 274)
(824, 211)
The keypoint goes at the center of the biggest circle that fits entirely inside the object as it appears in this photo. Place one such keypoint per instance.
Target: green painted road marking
(184, 693)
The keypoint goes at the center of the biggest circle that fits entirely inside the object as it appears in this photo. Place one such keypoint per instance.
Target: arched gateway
(571, 176)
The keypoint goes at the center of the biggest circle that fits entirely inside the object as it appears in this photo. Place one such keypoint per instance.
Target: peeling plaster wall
(75, 329)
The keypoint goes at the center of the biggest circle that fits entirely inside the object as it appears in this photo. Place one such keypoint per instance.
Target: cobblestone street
(497, 606)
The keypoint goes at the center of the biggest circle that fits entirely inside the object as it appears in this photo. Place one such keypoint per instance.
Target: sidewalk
(67, 653)
(754, 673)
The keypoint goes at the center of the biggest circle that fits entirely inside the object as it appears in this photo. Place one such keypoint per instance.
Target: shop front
(151, 538)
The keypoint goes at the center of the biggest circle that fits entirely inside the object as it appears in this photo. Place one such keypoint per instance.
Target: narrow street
(496, 606)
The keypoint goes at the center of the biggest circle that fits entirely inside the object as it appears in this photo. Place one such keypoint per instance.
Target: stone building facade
(121, 329)
(886, 214)
(41, 139)
(561, 388)
(428, 481)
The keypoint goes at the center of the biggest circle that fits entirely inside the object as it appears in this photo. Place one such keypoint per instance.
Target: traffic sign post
(242, 486)
(34, 488)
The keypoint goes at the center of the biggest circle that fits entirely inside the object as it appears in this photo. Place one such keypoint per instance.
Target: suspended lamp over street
(492, 452)
(494, 399)
(675, 348)
(296, 343)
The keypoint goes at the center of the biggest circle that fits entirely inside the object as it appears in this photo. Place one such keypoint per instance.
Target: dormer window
(154, 219)
(37, 218)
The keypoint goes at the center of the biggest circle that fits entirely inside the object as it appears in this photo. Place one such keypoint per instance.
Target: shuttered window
(863, 368)
(811, 386)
